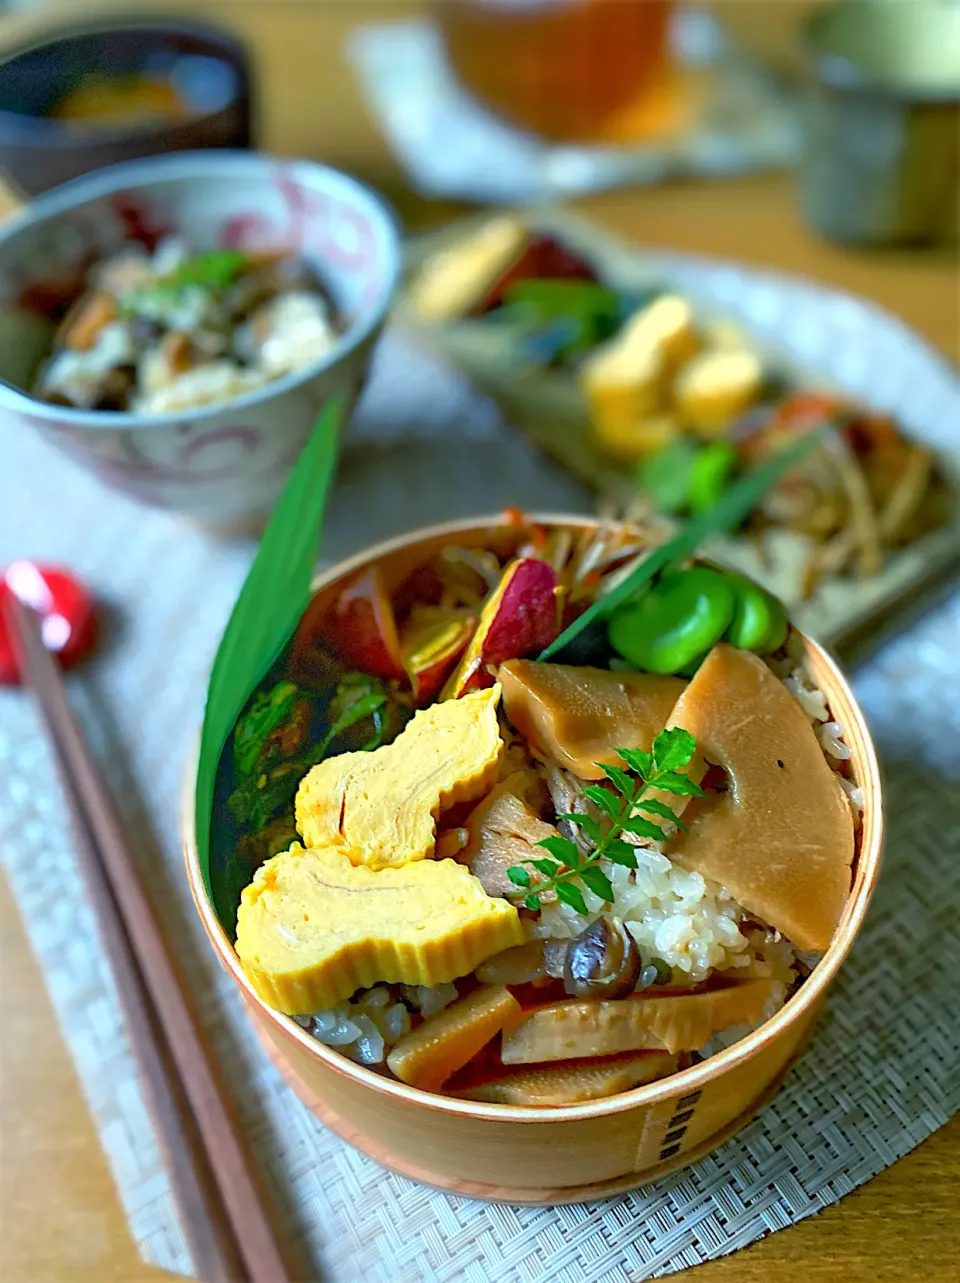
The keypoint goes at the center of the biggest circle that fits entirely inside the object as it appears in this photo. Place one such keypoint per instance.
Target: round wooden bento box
(588, 1150)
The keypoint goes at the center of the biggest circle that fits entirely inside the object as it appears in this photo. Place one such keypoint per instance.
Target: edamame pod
(759, 620)
(681, 616)
(709, 473)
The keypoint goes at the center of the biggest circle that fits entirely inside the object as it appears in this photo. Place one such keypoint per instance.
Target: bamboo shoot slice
(568, 1084)
(573, 1030)
(444, 1043)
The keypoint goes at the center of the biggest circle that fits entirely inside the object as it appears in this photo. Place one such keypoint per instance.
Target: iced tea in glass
(569, 70)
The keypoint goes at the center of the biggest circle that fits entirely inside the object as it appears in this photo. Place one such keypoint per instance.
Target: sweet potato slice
(444, 1043)
(519, 618)
(573, 1030)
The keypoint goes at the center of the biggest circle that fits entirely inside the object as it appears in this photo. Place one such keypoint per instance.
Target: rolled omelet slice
(312, 928)
(454, 280)
(381, 808)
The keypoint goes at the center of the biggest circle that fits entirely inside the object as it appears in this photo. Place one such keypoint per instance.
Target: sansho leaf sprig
(565, 868)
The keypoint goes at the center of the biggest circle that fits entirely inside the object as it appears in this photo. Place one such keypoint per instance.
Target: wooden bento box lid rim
(844, 708)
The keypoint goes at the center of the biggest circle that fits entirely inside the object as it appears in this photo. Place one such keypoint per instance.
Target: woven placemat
(879, 1077)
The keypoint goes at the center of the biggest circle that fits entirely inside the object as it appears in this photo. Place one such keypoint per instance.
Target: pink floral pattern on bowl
(221, 464)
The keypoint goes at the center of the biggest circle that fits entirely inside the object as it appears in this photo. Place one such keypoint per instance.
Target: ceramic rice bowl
(221, 465)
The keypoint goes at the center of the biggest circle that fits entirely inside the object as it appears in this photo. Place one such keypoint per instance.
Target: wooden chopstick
(121, 900)
(206, 1227)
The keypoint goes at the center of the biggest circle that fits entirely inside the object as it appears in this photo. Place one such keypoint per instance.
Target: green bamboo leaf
(269, 607)
(734, 506)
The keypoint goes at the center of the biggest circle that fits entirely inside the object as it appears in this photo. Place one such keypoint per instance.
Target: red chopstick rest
(68, 619)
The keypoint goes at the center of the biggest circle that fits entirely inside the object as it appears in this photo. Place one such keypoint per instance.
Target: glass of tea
(596, 71)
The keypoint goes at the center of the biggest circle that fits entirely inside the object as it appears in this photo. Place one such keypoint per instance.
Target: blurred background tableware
(882, 162)
(91, 95)
(219, 464)
(506, 101)
(653, 377)
(426, 445)
(570, 70)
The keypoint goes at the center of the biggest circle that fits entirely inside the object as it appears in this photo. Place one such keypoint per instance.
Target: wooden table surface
(60, 1218)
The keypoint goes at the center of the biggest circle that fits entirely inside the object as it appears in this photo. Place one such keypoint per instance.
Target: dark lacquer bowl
(209, 67)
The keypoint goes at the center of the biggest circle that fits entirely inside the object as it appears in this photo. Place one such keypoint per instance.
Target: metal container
(882, 163)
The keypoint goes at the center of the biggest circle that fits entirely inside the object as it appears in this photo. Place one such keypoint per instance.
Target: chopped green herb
(567, 869)
(269, 710)
(263, 789)
(358, 696)
(210, 273)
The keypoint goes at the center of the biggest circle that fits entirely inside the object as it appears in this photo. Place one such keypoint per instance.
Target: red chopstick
(218, 1196)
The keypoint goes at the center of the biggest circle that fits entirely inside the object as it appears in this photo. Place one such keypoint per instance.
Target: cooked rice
(366, 1027)
(682, 918)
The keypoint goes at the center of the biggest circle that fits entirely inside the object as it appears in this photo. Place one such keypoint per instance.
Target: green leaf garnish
(569, 893)
(586, 822)
(212, 271)
(618, 777)
(562, 848)
(268, 609)
(602, 798)
(637, 760)
(595, 880)
(570, 869)
(653, 807)
(672, 749)
(358, 696)
(269, 710)
(735, 506)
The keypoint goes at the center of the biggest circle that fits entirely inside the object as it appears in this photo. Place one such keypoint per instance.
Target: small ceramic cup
(591, 1150)
(223, 465)
(882, 162)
